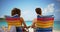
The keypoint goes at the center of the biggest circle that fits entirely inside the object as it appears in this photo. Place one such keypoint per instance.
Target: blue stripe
(43, 29)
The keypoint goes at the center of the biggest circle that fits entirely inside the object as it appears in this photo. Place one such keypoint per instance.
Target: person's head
(38, 11)
(16, 11)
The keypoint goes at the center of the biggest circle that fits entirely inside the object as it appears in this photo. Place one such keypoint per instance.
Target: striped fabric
(44, 24)
(44, 29)
(13, 21)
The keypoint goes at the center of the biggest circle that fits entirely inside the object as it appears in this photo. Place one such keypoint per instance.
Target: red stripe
(12, 18)
(45, 19)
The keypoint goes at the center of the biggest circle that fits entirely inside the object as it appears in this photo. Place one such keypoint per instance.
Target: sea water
(57, 25)
(29, 23)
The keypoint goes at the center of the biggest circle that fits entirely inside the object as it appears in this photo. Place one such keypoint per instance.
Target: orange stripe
(45, 26)
(15, 22)
(44, 22)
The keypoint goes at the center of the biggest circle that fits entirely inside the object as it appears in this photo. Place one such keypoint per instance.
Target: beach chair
(3, 25)
(1, 30)
(13, 22)
(13, 29)
(45, 24)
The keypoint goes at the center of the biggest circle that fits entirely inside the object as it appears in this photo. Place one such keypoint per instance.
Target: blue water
(29, 23)
(57, 25)
(3, 23)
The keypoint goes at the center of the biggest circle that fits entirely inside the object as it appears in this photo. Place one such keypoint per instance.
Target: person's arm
(24, 23)
(33, 24)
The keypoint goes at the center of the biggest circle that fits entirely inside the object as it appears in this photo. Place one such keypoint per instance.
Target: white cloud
(48, 9)
(2, 15)
(5, 13)
(57, 15)
(28, 15)
(58, 10)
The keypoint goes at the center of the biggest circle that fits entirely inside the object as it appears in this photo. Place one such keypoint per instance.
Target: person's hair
(15, 11)
(38, 11)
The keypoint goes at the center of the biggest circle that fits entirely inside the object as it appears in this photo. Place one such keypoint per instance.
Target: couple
(39, 24)
(17, 13)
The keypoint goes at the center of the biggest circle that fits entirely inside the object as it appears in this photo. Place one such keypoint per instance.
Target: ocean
(29, 23)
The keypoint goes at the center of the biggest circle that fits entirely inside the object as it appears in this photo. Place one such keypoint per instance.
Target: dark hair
(38, 11)
(16, 11)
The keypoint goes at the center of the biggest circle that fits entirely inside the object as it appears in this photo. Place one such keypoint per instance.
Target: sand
(32, 29)
(56, 30)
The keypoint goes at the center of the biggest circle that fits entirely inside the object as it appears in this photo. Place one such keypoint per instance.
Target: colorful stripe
(51, 21)
(44, 29)
(14, 21)
(45, 22)
(12, 18)
(45, 19)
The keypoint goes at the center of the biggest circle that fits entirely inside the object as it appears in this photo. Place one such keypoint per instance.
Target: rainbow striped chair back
(13, 22)
(45, 24)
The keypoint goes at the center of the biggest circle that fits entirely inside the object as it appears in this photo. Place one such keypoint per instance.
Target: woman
(17, 13)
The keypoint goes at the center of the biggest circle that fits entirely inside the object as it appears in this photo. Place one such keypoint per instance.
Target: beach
(31, 30)
(29, 23)
(56, 30)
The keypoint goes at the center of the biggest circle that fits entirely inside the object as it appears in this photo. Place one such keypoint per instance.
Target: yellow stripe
(44, 24)
(15, 23)
(50, 21)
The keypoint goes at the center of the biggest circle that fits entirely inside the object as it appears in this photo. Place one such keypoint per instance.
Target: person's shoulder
(35, 19)
(21, 18)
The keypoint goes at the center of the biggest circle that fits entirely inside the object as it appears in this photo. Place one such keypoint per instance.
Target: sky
(27, 7)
